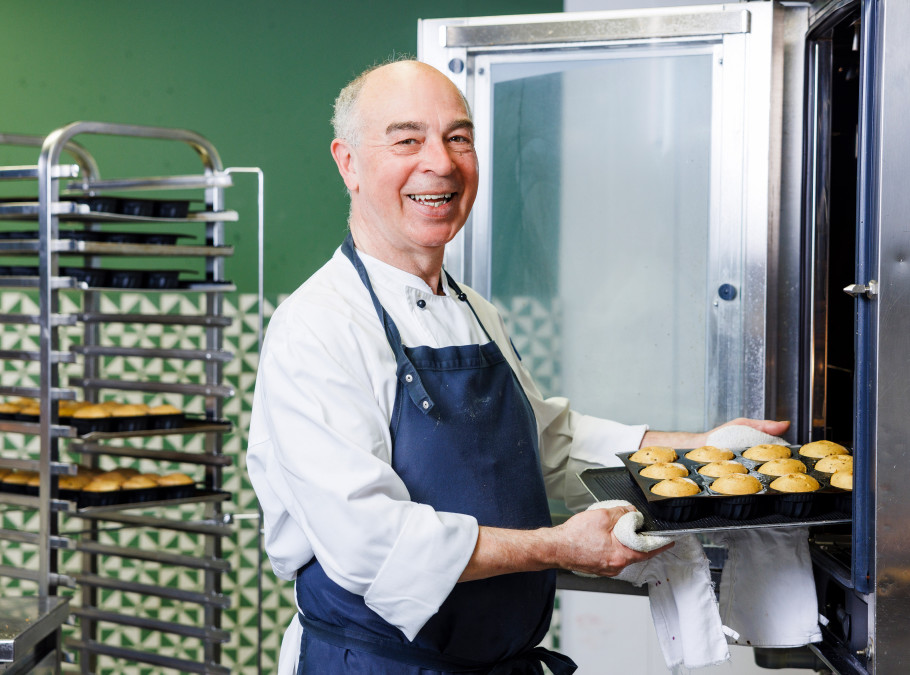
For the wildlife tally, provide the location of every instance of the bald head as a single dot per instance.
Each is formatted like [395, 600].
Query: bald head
[347, 119]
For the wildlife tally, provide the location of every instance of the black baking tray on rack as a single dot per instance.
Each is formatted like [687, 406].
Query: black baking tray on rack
[121, 497]
[158, 425]
[618, 483]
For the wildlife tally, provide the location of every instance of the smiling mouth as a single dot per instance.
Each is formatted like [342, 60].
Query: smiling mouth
[432, 200]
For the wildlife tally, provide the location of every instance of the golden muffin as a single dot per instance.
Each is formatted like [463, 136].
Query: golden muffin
[795, 482]
[781, 467]
[736, 484]
[8, 409]
[708, 453]
[676, 487]
[652, 454]
[110, 406]
[92, 412]
[32, 410]
[765, 452]
[834, 463]
[664, 470]
[822, 449]
[102, 485]
[116, 476]
[76, 482]
[19, 477]
[150, 476]
[842, 479]
[172, 479]
[724, 468]
[164, 409]
[131, 410]
[138, 483]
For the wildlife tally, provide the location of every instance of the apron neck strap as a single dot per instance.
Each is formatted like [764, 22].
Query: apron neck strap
[405, 371]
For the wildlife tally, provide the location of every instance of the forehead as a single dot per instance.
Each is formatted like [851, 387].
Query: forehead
[409, 94]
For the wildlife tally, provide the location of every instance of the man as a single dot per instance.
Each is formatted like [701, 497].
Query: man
[398, 447]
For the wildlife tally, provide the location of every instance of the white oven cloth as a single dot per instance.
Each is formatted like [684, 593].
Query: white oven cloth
[767, 589]
[681, 594]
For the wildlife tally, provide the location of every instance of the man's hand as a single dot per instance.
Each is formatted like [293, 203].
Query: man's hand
[584, 543]
[685, 439]
[590, 546]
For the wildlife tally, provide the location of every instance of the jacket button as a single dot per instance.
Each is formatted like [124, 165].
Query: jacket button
[462, 297]
[421, 303]
[409, 378]
[425, 404]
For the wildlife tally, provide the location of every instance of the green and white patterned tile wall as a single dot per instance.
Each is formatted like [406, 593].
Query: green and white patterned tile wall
[246, 651]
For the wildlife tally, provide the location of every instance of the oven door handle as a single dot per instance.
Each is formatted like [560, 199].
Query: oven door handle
[870, 290]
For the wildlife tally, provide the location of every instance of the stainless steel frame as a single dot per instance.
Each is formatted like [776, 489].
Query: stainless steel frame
[52, 176]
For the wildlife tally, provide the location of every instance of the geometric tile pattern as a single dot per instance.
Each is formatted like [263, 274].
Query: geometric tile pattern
[256, 595]
[535, 331]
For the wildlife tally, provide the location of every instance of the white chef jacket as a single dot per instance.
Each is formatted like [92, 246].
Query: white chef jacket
[319, 453]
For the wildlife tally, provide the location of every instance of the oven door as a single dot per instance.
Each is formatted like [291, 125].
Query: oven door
[629, 213]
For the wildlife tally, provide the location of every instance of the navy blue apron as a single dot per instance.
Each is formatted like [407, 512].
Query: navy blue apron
[464, 440]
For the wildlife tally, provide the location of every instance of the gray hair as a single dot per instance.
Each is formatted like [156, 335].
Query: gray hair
[346, 121]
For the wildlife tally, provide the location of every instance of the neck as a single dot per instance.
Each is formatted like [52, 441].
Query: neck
[422, 262]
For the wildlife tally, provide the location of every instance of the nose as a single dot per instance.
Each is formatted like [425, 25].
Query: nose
[436, 157]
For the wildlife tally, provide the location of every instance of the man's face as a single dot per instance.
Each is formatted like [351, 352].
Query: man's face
[413, 177]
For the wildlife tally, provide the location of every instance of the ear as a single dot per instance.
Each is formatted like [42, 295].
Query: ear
[343, 154]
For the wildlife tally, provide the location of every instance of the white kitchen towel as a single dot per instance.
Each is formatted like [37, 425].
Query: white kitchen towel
[680, 591]
[767, 589]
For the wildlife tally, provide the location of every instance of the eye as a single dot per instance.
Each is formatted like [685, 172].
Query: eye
[407, 141]
[460, 139]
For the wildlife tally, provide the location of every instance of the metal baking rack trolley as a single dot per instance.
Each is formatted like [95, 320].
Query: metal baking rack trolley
[68, 240]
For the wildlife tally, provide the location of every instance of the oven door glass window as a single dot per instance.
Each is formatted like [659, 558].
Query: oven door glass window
[622, 222]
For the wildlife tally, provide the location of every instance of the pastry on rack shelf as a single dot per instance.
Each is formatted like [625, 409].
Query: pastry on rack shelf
[102, 485]
[174, 479]
[138, 483]
[18, 477]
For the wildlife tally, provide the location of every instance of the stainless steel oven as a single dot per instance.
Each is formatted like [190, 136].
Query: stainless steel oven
[694, 213]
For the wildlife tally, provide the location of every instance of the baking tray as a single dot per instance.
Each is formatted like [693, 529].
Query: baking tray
[617, 483]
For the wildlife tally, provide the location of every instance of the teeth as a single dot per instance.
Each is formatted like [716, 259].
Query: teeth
[432, 200]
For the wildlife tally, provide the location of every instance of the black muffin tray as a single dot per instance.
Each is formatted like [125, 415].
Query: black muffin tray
[84, 499]
[737, 507]
[105, 236]
[708, 511]
[126, 279]
[99, 428]
[126, 206]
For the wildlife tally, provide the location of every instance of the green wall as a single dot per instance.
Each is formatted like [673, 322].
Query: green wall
[255, 77]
